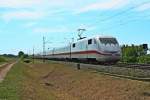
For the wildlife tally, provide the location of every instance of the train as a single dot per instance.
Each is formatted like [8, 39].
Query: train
[98, 48]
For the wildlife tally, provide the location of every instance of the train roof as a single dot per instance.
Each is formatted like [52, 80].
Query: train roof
[95, 37]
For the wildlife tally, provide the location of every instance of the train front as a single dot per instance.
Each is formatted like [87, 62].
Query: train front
[109, 49]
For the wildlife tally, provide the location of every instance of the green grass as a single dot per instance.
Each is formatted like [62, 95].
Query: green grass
[6, 59]
[2, 59]
[26, 81]
[21, 83]
[10, 87]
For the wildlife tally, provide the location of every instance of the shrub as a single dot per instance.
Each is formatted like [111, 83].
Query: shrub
[131, 59]
[2, 59]
[27, 60]
[144, 59]
[133, 54]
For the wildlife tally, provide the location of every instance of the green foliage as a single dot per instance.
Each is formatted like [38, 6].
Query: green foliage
[26, 56]
[129, 59]
[132, 54]
[9, 55]
[21, 54]
[10, 88]
[2, 59]
[144, 59]
[27, 60]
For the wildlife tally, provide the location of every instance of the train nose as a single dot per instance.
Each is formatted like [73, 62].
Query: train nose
[114, 57]
[110, 56]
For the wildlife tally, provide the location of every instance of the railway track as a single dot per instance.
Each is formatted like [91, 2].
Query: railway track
[125, 65]
[122, 65]
[134, 66]
[139, 72]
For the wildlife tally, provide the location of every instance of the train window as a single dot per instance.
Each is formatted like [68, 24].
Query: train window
[90, 41]
[108, 40]
[74, 45]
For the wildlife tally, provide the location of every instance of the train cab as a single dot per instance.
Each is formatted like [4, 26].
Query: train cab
[109, 49]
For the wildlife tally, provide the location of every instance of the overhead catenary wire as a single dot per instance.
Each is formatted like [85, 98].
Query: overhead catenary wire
[123, 12]
[121, 21]
[124, 22]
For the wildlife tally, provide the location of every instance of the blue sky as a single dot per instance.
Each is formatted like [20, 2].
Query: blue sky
[24, 22]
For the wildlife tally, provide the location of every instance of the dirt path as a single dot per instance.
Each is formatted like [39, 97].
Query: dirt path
[4, 70]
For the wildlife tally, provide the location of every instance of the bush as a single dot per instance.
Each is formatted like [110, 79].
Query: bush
[27, 60]
[133, 54]
[2, 59]
[144, 59]
[131, 59]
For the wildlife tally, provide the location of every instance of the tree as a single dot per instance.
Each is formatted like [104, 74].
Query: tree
[21, 54]
[132, 53]
[26, 56]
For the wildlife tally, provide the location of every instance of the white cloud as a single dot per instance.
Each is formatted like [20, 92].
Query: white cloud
[32, 9]
[25, 15]
[87, 27]
[19, 3]
[60, 29]
[32, 3]
[30, 24]
[37, 9]
[32, 15]
[144, 7]
[105, 5]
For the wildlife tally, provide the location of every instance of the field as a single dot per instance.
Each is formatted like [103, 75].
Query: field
[60, 81]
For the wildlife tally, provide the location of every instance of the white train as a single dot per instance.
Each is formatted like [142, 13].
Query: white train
[99, 48]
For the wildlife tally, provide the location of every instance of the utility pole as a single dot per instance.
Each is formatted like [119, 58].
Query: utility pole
[70, 49]
[33, 55]
[43, 49]
[72, 40]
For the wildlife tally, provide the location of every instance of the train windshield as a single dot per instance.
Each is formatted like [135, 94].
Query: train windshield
[108, 40]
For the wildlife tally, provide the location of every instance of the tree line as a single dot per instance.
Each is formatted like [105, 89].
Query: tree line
[135, 54]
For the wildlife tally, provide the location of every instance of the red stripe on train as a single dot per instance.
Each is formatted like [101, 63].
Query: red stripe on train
[85, 52]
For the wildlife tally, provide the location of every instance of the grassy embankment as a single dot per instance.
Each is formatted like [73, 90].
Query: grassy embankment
[130, 73]
[10, 87]
[7, 59]
[54, 81]
[2, 60]
[60, 81]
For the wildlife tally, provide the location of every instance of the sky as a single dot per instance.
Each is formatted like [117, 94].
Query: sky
[23, 23]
